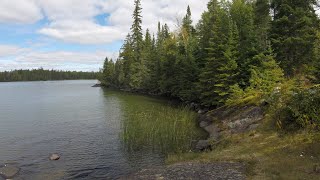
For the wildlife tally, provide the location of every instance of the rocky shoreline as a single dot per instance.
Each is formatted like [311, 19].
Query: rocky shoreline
[217, 123]
[227, 120]
[193, 171]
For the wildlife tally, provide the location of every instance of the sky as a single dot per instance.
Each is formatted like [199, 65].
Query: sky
[77, 34]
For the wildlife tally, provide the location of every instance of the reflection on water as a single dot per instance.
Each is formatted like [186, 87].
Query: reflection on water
[81, 123]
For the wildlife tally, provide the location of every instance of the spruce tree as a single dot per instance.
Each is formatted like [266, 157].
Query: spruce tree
[293, 33]
[242, 13]
[127, 56]
[262, 22]
[108, 73]
[205, 32]
[186, 67]
[220, 70]
[137, 67]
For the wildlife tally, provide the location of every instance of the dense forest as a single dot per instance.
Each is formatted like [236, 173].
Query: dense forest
[241, 51]
[44, 75]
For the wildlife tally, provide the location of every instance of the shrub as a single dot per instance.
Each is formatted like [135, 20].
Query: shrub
[301, 110]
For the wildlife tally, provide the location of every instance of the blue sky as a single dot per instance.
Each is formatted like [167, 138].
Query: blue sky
[76, 34]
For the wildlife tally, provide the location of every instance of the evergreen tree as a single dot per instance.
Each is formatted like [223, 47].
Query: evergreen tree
[186, 67]
[242, 13]
[127, 57]
[204, 27]
[293, 33]
[108, 73]
[262, 23]
[119, 74]
[220, 70]
[267, 75]
[137, 67]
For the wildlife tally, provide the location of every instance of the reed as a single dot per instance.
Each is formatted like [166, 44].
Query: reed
[152, 124]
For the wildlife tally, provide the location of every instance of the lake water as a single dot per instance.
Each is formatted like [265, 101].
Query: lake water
[81, 123]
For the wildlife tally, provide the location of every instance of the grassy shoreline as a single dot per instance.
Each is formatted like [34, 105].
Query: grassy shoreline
[267, 154]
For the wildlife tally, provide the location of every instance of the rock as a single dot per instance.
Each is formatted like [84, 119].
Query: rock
[214, 132]
[247, 120]
[9, 171]
[203, 145]
[204, 124]
[54, 157]
[96, 85]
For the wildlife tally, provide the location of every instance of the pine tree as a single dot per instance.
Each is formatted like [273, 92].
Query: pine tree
[186, 67]
[220, 70]
[119, 74]
[136, 29]
[262, 23]
[204, 28]
[147, 59]
[267, 75]
[242, 13]
[108, 73]
[293, 33]
[168, 59]
[126, 55]
[138, 68]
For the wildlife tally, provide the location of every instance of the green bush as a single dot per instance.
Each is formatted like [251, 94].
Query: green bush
[302, 110]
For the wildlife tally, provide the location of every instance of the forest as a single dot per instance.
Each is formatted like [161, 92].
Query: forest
[44, 75]
[240, 52]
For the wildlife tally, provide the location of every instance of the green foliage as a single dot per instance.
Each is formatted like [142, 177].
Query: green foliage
[108, 73]
[263, 82]
[242, 13]
[293, 33]
[45, 75]
[221, 68]
[232, 56]
[302, 110]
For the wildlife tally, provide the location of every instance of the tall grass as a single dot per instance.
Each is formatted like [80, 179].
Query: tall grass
[153, 124]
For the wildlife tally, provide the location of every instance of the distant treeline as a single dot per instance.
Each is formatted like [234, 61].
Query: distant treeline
[44, 75]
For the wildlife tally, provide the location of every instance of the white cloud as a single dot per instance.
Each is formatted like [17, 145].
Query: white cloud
[19, 11]
[82, 32]
[10, 50]
[12, 57]
[74, 21]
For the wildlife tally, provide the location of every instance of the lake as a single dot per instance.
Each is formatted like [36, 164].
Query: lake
[98, 133]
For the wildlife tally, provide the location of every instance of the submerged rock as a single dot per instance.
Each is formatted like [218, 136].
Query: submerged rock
[54, 157]
[9, 171]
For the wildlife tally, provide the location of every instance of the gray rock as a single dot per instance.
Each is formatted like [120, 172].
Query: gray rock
[54, 157]
[9, 171]
[204, 124]
[214, 132]
[203, 145]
